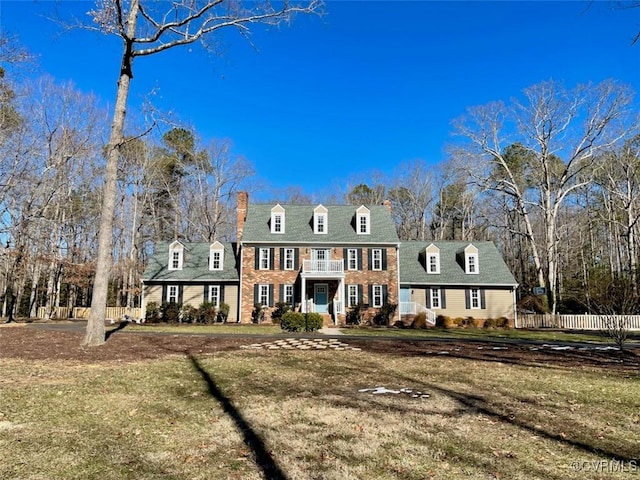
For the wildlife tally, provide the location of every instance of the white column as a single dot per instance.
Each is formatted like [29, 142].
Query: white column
[303, 298]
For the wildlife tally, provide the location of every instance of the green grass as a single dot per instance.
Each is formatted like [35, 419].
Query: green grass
[302, 413]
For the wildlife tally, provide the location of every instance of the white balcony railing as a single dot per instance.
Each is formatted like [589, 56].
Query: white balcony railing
[323, 266]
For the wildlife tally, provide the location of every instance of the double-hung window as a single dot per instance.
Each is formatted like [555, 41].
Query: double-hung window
[353, 297]
[352, 259]
[172, 294]
[377, 296]
[287, 294]
[263, 295]
[214, 295]
[289, 258]
[474, 298]
[433, 263]
[472, 263]
[376, 259]
[435, 298]
[264, 259]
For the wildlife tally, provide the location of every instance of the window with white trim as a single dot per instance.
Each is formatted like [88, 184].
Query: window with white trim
[288, 294]
[321, 223]
[435, 298]
[277, 223]
[352, 259]
[376, 259]
[472, 263]
[474, 298]
[433, 263]
[376, 296]
[175, 261]
[352, 296]
[172, 294]
[214, 295]
[263, 295]
[265, 259]
[363, 224]
[289, 258]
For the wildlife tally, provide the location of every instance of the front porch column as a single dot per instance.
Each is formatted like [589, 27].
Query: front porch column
[303, 298]
[341, 296]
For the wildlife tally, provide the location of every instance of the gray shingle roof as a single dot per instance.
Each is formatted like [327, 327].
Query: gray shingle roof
[491, 267]
[195, 265]
[299, 225]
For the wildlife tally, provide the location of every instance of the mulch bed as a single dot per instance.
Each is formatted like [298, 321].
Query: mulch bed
[30, 343]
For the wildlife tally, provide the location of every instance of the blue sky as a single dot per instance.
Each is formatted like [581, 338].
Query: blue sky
[369, 86]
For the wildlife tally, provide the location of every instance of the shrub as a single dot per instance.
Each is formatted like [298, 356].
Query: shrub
[420, 321]
[458, 321]
[355, 315]
[207, 313]
[152, 314]
[470, 322]
[490, 323]
[223, 312]
[503, 322]
[292, 322]
[442, 321]
[313, 322]
[281, 309]
[385, 313]
[257, 315]
[170, 312]
[188, 314]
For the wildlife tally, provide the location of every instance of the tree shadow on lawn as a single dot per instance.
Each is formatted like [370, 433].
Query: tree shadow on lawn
[251, 438]
[479, 404]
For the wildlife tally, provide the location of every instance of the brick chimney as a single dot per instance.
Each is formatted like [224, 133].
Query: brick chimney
[387, 203]
[243, 204]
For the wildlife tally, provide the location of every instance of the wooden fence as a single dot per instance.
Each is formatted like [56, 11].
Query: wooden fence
[115, 313]
[577, 322]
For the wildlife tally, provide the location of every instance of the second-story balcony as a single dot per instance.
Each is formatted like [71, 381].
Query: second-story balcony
[323, 267]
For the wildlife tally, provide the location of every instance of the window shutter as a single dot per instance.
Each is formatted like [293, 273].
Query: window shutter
[482, 301]
[384, 258]
[370, 295]
[296, 259]
[281, 258]
[467, 298]
[359, 258]
[256, 292]
[360, 296]
[222, 294]
[179, 294]
[443, 299]
[345, 255]
[271, 258]
[205, 293]
[270, 295]
[257, 259]
[164, 294]
[370, 258]
[428, 302]
[281, 293]
[384, 294]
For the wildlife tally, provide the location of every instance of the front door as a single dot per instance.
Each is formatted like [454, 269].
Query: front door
[321, 297]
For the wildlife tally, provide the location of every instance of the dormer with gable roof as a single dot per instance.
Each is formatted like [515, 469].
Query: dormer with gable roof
[216, 256]
[432, 259]
[468, 259]
[278, 219]
[363, 221]
[320, 220]
[176, 256]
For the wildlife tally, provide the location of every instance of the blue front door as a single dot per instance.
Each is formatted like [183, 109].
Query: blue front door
[321, 297]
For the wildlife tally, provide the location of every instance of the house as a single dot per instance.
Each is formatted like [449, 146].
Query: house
[330, 259]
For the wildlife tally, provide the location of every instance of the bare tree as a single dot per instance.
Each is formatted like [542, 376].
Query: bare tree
[411, 198]
[558, 133]
[145, 29]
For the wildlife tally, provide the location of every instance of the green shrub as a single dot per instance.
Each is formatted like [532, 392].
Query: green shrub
[188, 314]
[292, 322]
[420, 321]
[152, 314]
[458, 322]
[207, 313]
[281, 309]
[257, 314]
[223, 312]
[170, 312]
[313, 322]
[355, 315]
[490, 323]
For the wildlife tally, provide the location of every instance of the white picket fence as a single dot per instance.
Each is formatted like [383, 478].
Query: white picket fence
[576, 322]
[114, 313]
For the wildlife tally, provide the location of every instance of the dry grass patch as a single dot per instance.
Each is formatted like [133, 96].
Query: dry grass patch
[299, 415]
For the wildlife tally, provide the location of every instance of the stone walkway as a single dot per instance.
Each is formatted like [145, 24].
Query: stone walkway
[302, 344]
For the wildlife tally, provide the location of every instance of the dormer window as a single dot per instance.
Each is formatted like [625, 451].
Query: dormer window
[277, 219]
[432, 254]
[471, 264]
[176, 254]
[320, 217]
[363, 221]
[216, 256]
